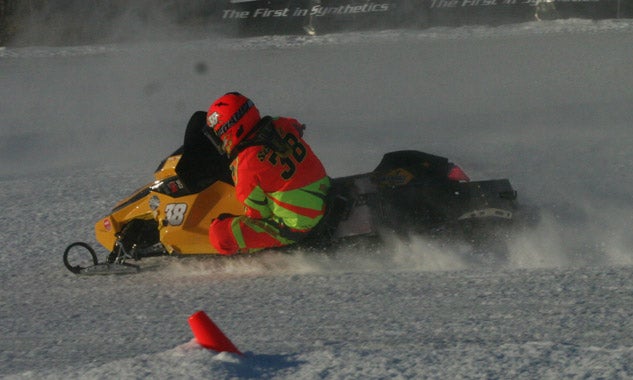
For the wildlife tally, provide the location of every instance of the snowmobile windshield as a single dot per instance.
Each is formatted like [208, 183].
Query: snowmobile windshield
[202, 162]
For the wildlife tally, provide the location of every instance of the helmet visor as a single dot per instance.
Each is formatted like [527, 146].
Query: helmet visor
[215, 140]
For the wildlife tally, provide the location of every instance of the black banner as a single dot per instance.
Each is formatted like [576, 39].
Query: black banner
[80, 21]
[312, 16]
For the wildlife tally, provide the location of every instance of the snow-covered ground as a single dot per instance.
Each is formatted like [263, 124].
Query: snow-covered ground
[547, 105]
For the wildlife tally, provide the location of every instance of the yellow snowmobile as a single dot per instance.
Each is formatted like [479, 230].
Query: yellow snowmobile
[408, 191]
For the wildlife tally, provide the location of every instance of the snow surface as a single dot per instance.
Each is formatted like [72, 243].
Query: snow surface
[547, 105]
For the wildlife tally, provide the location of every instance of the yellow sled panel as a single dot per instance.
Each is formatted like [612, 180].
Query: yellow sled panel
[183, 221]
[192, 235]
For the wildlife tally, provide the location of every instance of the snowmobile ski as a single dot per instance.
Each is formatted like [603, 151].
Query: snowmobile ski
[109, 268]
[95, 267]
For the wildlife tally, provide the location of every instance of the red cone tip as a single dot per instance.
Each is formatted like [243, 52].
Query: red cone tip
[209, 335]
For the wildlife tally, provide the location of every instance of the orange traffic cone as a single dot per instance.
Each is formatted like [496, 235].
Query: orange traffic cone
[209, 335]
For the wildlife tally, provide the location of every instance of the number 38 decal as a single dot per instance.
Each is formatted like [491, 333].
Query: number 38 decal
[296, 155]
[175, 213]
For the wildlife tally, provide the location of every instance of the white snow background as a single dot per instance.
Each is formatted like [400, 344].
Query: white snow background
[548, 105]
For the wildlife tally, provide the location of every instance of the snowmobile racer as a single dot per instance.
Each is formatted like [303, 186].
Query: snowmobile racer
[278, 178]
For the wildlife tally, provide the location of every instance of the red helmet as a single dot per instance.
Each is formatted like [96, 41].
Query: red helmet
[231, 117]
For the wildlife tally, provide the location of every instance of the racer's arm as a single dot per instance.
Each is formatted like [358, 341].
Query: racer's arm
[256, 203]
[249, 192]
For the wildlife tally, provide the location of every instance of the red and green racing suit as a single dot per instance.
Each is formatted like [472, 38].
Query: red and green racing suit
[284, 195]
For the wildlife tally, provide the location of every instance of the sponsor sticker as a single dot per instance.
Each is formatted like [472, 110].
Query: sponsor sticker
[212, 120]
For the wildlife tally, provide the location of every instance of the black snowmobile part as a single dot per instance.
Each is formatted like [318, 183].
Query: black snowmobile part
[139, 238]
[409, 191]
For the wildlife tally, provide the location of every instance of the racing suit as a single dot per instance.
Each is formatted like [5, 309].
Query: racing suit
[284, 195]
